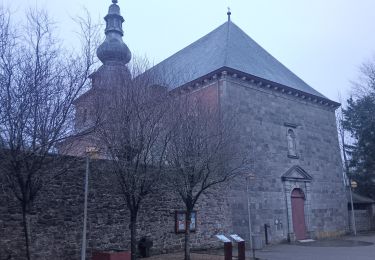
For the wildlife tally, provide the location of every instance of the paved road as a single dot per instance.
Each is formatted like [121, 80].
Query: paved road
[324, 251]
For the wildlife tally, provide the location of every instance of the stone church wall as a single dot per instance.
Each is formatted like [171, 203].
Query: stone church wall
[56, 221]
[265, 116]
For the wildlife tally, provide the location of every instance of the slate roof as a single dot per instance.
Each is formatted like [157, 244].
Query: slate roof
[229, 47]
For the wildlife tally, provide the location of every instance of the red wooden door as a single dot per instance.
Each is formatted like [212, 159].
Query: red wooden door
[298, 214]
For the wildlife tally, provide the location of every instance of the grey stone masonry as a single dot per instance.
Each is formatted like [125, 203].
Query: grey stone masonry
[56, 221]
[264, 118]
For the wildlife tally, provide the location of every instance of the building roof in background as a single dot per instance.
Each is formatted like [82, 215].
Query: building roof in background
[359, 199]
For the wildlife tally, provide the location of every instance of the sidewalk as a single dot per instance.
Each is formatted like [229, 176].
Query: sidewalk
[347, 248]
[361, 247]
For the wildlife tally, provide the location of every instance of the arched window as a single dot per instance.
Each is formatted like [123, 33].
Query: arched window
[292, 149]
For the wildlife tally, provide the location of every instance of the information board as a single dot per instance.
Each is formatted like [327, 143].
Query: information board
[223, 238]
[236, 238]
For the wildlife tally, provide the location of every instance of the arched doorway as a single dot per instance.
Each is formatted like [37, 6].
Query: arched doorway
[298, 214]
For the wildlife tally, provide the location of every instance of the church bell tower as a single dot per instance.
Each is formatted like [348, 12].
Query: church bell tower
[113, 73]
[113, 51]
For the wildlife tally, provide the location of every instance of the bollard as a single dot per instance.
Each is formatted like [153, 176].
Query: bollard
[266, 227]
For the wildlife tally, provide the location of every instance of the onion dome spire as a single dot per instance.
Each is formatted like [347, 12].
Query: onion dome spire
[113, 50]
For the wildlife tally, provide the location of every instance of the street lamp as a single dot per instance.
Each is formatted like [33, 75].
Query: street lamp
[250, 176]
[352, 185]
[90, 152]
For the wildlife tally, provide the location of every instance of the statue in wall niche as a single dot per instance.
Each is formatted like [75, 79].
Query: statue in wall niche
[292, 150]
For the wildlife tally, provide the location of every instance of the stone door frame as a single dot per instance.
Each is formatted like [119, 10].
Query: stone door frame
[297, 178]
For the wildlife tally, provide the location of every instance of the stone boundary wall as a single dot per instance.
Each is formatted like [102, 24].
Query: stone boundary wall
[56, 221]
[363, 220]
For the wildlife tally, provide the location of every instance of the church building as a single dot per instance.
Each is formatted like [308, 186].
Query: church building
[294, 190]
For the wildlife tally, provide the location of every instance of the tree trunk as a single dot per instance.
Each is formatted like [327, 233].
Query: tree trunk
[133, 235]
[187, 235]
[26, 232]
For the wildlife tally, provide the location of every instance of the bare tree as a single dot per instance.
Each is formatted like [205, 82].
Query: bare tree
[135, 138]
[365, 84]
[39, 80]
[7, 42]
[343, 139]
[201, 153]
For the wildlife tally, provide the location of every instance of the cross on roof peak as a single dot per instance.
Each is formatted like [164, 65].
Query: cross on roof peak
[229, 13]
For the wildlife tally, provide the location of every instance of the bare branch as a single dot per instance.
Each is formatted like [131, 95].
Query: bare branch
[39, 82]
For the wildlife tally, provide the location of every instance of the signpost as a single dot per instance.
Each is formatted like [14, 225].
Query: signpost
[250, 176]
[90, 152]
[352, 185]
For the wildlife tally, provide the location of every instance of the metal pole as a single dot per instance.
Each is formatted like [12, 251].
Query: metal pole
[352, 207]
[249, 215]
[83, 250]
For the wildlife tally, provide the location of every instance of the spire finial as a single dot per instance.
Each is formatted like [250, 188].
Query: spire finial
[113, 49]
[229, 13]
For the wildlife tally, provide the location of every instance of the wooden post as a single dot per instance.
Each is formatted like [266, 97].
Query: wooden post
[228, 250]
[241, 250]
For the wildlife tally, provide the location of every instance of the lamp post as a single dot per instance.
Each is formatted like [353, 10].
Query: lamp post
[90, 152]
[352, 185]
[249, 177]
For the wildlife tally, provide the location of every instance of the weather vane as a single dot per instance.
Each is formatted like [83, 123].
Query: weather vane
[229, 13]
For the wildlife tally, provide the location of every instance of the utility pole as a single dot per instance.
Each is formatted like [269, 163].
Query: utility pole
[352, 185]
[90, 151]
[249, 177]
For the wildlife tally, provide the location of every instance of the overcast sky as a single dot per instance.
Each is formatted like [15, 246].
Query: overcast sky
[322, 41]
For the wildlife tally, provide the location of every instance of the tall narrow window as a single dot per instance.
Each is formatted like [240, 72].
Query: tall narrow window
[292, 149]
